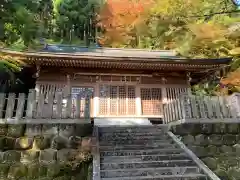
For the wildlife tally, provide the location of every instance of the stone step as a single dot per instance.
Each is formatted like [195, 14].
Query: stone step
[146, 164]
[141, 152]
[143, 158]
[111, 137]
[134, 142]
[194, 176]
[138, 147]
[131, 129]
[150, 172]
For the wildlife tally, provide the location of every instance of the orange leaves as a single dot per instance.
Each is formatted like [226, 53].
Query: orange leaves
[233, 78]
[119, 18]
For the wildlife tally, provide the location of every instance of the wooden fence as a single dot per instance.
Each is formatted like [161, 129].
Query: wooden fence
[18, 107]
[203, 108]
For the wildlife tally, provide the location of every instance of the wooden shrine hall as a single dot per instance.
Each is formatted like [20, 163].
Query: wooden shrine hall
[121, 82]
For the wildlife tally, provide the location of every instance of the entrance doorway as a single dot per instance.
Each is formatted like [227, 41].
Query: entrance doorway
[117, 100]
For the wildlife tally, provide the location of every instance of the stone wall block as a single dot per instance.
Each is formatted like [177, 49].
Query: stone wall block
[199, 151]
[229, 139]
[11, 156]
[232, 129]
[47, 156]
[83, 130]
[86, 144]
[222, 174]
[212, 150]
[33, 130]
[16, 130]
[9, 143]
[219, 128]
[1, 156]
[74, 142]
[234, 173]
[64, 155]
[50, 129]
[29, 156]
[33, 171]
[201, 140]
[4, 168]
[215, 139]
[17, 171]
[41, 142]
[188, 139]
[236, 148]
[194, 129]
[23, 143]
[210, 162]
[3, 129]
[67, 130]
[206, 128]
[53, 169]
[43, 170]
[226, 149]
[2, 143]
[59, 142]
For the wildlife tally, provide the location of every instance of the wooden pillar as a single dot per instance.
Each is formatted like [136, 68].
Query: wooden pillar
[37, 87]
[189, 91]
[138, 101]
[96, 101]
[164, 91]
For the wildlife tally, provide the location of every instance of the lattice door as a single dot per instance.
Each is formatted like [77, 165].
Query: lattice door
[117, 100]
[151, 101]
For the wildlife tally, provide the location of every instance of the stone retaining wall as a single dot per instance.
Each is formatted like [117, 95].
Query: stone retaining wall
[45, 151]
[218, 145]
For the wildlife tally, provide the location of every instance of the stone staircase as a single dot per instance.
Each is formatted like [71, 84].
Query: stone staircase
[143, 153]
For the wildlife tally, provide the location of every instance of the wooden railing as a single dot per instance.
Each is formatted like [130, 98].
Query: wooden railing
[190, 107]
[42, 106]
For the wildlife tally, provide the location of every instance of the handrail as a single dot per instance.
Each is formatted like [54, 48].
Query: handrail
[199, 163]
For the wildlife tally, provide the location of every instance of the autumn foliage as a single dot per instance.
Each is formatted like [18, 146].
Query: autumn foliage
[233, 78]
[119, 18]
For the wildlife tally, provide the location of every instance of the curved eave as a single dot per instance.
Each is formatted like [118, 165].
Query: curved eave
[92, 60]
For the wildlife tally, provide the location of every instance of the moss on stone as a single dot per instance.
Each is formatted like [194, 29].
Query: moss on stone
[210, 162]
[212, 150]
[3, 129]
[219, 128]
[234, 173]
[232, 128]
[221, 173]
[12, 156]
[53, 170]
[16, 130]
[201, 140]
[17, 171]
[9, 143]
[41, 142]
[226, 149]
[188, 139]
[229, 139]
[33, 171]
[206, 128]
[4, 168]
